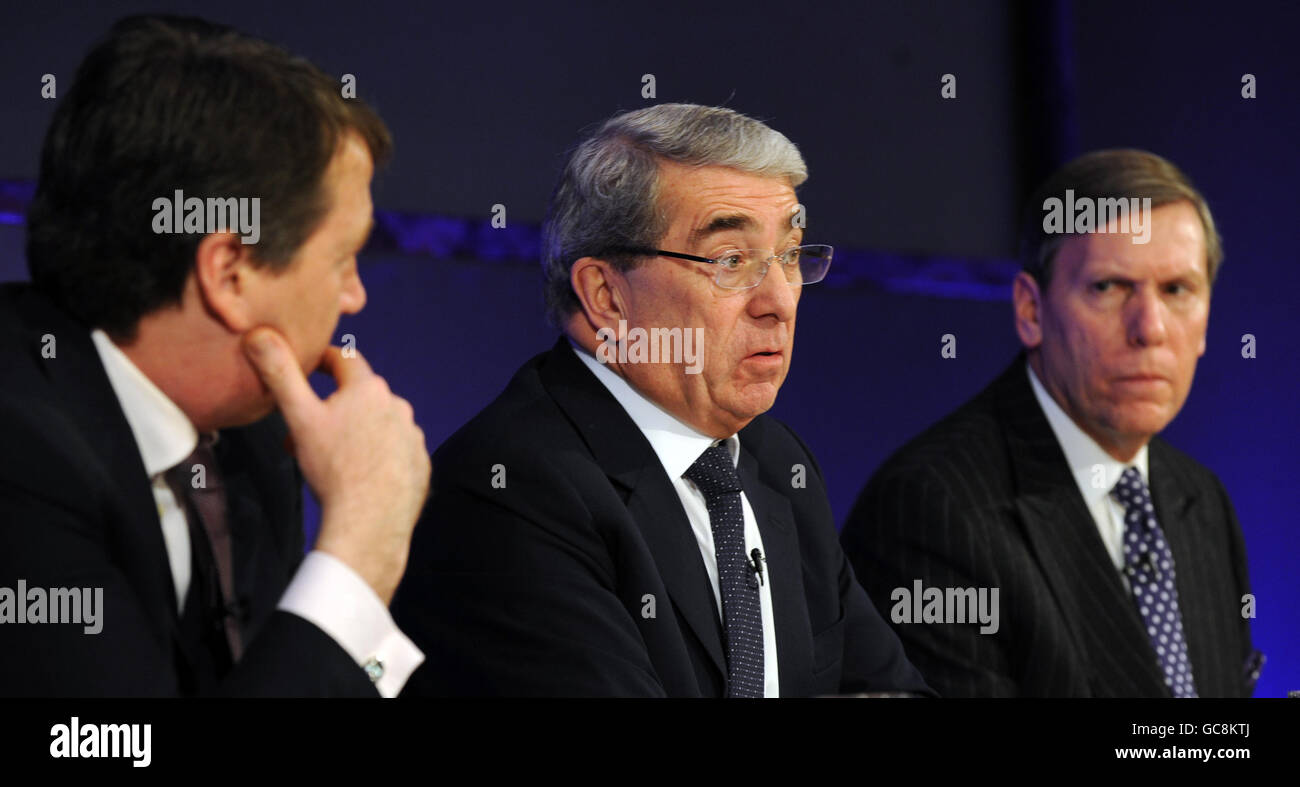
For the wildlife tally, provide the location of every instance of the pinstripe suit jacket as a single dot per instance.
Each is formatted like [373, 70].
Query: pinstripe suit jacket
[985, 498]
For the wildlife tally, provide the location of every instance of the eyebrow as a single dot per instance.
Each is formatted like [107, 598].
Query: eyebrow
[729, 223]
[721, 224]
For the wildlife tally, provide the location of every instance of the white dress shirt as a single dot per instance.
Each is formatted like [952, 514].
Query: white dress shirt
[678, 446]
[1095, 471]
[325, 591]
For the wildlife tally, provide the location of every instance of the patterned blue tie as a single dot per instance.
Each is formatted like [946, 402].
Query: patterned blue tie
[1149, 565]
[715, 476]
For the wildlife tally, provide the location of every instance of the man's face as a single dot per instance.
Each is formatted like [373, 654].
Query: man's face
[304, 302]
[748, 335]
[1122, 326]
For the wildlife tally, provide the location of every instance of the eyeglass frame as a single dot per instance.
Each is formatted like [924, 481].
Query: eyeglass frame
[642, 251]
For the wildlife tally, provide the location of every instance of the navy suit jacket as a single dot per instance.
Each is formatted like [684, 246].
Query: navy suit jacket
[77, 511]
[577, 572]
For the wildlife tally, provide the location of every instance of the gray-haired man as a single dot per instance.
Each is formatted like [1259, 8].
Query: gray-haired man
[623, 519]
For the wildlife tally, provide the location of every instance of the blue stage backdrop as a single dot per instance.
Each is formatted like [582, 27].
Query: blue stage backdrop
[484, 100]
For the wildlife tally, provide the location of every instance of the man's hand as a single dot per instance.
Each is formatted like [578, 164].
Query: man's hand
[360, 451]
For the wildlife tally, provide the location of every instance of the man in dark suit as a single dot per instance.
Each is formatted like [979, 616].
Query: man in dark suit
[1118, 559]
[150, 519]
[623, 520]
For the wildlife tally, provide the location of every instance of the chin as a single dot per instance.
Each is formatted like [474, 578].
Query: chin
[1142, 422]
[752, 404]
[313, 360]
[250, 414]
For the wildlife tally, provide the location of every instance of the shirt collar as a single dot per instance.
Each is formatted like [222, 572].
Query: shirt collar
[1082, 452]
[162, 431]
[676, 444]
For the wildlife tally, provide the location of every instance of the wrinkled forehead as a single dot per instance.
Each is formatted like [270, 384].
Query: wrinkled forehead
[1167, 242]
[698, 203]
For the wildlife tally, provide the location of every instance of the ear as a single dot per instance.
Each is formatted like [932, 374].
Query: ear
[223, 268]
[601, 290]
[1028, 300]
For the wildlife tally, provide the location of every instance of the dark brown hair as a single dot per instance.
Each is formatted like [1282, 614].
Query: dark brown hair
[166, 103]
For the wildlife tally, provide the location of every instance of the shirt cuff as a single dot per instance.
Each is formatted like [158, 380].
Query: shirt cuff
[328, 593]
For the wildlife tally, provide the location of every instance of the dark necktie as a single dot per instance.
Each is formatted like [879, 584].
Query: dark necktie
[1149, 565]
[203, 494]
[715, 476]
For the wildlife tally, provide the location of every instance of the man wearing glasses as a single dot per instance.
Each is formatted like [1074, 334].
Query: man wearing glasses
[614, 524]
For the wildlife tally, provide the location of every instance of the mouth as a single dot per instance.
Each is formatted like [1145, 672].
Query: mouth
[767, 360]
[1141, 381]
[1143, 378]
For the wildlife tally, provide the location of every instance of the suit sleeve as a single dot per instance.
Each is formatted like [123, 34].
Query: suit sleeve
[907, 527]
[43, 545]
[510, 591]
[874, 660]
[1251, 659]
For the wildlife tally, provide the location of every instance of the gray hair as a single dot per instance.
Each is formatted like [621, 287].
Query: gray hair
[608, 194]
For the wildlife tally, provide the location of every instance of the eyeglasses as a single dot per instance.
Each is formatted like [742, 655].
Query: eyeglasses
[745, 268]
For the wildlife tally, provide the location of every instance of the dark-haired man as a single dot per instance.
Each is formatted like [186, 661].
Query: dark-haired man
[150, 518]
[1118, 562]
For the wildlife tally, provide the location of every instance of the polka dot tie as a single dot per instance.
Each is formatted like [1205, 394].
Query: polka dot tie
[1149, 566]
[715, 476]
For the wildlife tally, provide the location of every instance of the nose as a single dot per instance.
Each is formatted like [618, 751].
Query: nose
[774, 295]
[1146, 318]
[353, 297]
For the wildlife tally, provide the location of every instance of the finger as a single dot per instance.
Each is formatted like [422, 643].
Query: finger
[345, 370]
[278, 367]
[404, 407]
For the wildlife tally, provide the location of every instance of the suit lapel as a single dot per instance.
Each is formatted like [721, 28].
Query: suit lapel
[784, 571]
[1094, 605]
[630, 463]
[78, 380]
[1187, 529]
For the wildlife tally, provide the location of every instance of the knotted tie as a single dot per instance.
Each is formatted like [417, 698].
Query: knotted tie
[204, 494]
[1149, 565]
[715, 476]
